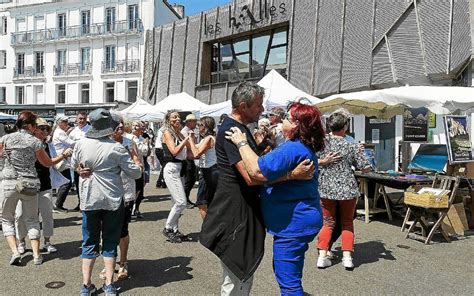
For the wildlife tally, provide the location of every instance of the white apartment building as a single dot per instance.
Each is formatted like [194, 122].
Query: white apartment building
[67, 53]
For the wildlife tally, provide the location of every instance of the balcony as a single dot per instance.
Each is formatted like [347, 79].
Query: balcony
[77, 32]
[75, 69]
[123, 66]
[28, 73]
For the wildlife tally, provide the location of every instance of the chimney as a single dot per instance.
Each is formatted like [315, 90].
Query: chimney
[179, 9]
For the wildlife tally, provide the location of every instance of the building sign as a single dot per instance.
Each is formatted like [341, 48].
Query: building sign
[243, 16]
[74, 112]
[415, 125]
[457, 139]
[47, 113]
[379, 120]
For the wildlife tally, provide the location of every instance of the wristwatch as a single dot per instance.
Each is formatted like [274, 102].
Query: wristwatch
[242, 144]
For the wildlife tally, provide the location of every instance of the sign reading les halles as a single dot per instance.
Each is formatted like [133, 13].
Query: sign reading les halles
[245, 17]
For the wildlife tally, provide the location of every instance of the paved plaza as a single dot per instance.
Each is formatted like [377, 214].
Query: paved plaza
[386, 262]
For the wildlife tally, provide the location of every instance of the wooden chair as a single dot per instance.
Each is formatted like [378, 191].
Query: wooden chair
[429, 218]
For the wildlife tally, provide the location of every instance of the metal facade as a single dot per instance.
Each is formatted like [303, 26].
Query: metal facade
[334, 45]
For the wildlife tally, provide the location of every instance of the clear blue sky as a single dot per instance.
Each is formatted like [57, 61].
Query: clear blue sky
[195, 6]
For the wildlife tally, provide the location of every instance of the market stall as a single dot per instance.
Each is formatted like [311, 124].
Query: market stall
[423, 115]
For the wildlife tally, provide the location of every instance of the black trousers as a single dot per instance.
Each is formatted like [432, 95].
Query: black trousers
[190, 177]
[159, 155]
[76, 183]
[139, 187]
[63, 191]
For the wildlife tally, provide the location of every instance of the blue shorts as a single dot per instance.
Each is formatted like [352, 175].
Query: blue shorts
[97, 223]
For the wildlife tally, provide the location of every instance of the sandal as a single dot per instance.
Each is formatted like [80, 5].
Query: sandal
[102, 274]
[123, 271]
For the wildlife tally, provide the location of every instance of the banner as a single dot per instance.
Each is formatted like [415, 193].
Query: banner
[415, 125]
[457, 139]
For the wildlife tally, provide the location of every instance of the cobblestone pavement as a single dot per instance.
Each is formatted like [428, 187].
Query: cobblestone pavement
[386, 263]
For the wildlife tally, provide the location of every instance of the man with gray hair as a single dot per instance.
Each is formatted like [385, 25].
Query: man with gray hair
[233, 228]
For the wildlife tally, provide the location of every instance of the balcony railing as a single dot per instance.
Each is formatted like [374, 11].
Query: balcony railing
[74, 69]
[123, 66]
[28, 72]
[74, 32]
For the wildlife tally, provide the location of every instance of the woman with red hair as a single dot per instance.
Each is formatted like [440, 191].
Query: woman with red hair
[291, 209]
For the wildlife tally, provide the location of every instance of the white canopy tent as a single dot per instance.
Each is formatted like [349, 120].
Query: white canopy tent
[180, 102]
[141, 110]
[216, 110]
[438, 99]
[279, 92]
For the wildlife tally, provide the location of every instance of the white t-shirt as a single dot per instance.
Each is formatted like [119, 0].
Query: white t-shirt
[209, 158]
[159, 140]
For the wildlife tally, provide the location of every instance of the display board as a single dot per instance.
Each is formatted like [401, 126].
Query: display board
[415, 125]
[458, 139]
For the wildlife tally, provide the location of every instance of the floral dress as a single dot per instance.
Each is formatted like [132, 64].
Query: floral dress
[337, 180]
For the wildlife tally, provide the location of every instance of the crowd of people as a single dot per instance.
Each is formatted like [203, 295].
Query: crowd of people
[289, 177]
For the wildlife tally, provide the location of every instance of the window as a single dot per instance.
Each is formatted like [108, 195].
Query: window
[20, 94]
[62, 24]
[61, 93]
[38, 94]
[3, 94]
[110, 19]
[85, 93]
[85, 22]
[20, 63]
[60, 61]
[39, 22]
[85, 59]
[4, 26]
[39, 62]
[3, 59]
[20, 24]
[132, 90]
[248, 57]
[109, 92]
[133, 17]
[110, 57]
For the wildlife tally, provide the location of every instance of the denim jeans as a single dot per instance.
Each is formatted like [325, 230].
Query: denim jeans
[288, 262]
[105, 224]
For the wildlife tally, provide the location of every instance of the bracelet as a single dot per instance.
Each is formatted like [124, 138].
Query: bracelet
[242, 143]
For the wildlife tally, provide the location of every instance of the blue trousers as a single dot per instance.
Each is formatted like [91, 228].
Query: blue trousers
[288, 262]
[105, 224]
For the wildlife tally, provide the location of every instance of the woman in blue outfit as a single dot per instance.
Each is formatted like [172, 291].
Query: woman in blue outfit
[291, 209]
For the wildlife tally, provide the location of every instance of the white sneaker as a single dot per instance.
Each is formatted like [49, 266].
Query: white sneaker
[21, 248]
[323, 262]
[50, 248]
[38, 260]
[347, 263]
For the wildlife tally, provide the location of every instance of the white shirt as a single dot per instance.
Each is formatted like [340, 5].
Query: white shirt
[159, 140]
[209, 158]
[79, 132]
[61, 142]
